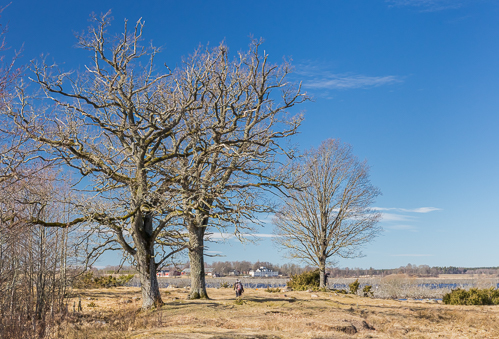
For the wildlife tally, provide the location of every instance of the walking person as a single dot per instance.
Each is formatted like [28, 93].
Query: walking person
[238, 286]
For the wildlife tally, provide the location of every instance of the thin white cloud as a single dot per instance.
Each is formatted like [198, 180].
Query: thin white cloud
[408, 210]
[394, 217]
[219, 236]
[318, 75]
[424, 210]
[226, 236]
[213, 252]
[427, 5]
[262, 235]
[401, 227]
[412, 255]
[341, 81]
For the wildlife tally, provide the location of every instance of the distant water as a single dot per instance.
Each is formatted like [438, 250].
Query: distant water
[165, 284]
[430, 286]
[419, 299]
[273, 284]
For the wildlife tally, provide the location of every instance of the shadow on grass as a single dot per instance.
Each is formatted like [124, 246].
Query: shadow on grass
[244, 336]
[264, 300]
[188, 303]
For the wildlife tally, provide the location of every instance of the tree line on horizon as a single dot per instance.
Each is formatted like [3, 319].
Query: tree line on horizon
[289, 269]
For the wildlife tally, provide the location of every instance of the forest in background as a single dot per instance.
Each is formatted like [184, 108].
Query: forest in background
[288, 269]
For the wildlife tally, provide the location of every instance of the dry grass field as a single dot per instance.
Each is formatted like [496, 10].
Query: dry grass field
[115, 313]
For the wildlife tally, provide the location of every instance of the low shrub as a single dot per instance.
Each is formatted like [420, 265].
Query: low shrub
[473, 296]
[87, 280]
[354, 287]
[239, 301]
[367, 291]
[306, 281]
[273, 290]
[225, 284]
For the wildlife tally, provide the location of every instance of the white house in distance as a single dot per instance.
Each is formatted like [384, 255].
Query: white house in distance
[263, 272]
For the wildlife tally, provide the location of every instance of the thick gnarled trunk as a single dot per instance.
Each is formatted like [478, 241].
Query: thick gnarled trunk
[150, 287]
[146, 265]
[196, 257]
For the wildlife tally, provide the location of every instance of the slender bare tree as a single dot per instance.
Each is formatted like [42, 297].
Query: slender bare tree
[115, 124]
[330, 215]
[33, 276]
[237, 137]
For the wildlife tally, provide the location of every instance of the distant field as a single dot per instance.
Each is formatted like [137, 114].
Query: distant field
[264, 315]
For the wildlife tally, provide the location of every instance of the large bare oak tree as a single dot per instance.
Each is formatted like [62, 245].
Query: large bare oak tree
[330, 215]
[114, 124]
[237, 137]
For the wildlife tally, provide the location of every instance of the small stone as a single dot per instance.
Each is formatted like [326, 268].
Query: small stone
[314, 296]
[309, 291]
[130, 329]
[366, 326]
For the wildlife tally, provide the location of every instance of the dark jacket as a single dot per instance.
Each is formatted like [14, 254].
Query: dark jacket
[242, 287]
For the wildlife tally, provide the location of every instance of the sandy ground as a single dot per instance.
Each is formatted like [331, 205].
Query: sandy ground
[115, 313]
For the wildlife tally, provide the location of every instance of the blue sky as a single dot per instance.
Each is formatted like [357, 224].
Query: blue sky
[412, 85]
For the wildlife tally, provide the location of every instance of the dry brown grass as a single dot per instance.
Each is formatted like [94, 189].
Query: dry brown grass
[273, 315]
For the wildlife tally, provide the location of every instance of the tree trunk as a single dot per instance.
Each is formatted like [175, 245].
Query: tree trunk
[146, 264]
[322, 271]
[150, 287]
[196, 257]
